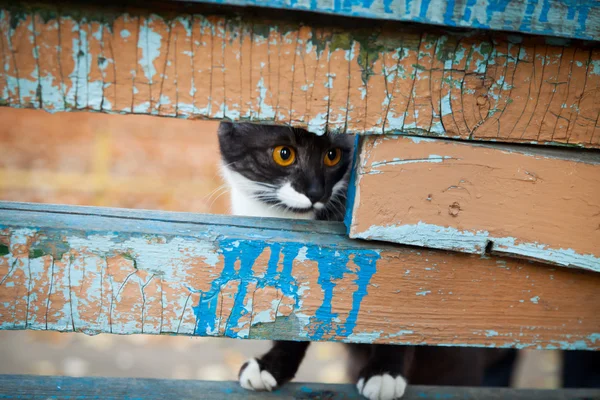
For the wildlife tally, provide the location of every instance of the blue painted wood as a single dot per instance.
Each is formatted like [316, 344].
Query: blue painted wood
[563, 18]
[52, 387]
[95, 270]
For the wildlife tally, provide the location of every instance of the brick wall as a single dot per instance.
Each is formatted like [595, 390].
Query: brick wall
[110, 160]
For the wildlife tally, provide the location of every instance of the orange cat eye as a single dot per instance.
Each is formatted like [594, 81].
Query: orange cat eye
[333, 157]
[284, 155]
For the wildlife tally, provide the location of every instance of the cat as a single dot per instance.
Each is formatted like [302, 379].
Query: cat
[285, 172]
[275, 171]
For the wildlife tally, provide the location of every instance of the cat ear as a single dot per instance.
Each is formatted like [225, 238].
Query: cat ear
[226, 128]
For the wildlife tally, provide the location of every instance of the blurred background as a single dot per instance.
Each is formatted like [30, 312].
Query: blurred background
[144, 162]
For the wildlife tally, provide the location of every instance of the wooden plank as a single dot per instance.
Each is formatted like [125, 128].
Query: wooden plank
[44, 387]
[513, 200]
[341, 75]
[553, 18]
[94, 270]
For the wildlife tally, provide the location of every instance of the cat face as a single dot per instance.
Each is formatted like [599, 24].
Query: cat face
[289, 169]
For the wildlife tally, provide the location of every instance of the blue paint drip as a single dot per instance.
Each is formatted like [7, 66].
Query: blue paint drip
[470, 5]
[367, 3]
[287, 283]
[494, 6]
[583, 16]
[571, 13]
[545, 10]
[367, 262]
[337, 5]
[206, 312]
[313, 4]
[423, 10]
[272, 264]
[332, 265]
[387, 6]
[449, 14]
[526, 22]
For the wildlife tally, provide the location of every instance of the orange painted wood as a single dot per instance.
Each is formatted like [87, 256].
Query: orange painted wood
[349, 77]
[92, 270]
[513, 200]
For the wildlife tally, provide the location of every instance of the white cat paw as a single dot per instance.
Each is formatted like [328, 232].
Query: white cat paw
[382, 387]
[252, 378]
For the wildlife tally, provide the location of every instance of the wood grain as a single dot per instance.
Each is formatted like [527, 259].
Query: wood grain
[45, 387]
[340, 76]
[94, 270]
[513, 200]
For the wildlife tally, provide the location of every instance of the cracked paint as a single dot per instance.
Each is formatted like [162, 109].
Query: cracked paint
[467, 86]
[72, 269]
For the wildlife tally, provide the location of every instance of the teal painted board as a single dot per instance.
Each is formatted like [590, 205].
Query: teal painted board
[93, 270]
[563, 18]
[28, 387]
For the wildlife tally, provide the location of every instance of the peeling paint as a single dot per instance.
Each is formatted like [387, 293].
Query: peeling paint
[155, 272]
[438, 237]
[472, 199]
[373, 83]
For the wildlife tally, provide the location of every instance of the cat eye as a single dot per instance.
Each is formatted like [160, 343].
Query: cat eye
[333, 157]
[284, 155]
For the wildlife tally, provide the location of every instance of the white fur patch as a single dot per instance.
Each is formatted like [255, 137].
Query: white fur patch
[382, 387]
[252, 378]
[319, 206]
[244, 202]
[291, 198]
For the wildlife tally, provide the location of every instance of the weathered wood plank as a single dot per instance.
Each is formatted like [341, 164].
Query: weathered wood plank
[96, 270]
[528, 202]
[553, 18]
[339, 75]
[44, 387]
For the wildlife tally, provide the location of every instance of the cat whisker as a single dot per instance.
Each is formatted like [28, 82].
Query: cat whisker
[216, 198]
[219, 189]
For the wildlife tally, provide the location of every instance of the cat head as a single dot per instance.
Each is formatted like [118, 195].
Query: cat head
[287, 169]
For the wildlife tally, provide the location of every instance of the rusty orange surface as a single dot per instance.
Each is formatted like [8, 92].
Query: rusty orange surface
[519, 201]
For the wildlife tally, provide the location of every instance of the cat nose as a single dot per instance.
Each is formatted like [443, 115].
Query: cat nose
[315, 193]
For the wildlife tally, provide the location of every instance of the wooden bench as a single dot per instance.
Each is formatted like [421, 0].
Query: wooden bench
[462, 229]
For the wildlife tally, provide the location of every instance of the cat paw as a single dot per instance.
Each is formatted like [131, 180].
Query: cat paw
[382, 387]
[253, 378]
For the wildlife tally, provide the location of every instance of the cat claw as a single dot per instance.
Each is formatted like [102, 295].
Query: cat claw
[382, 387]
[252, 378]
